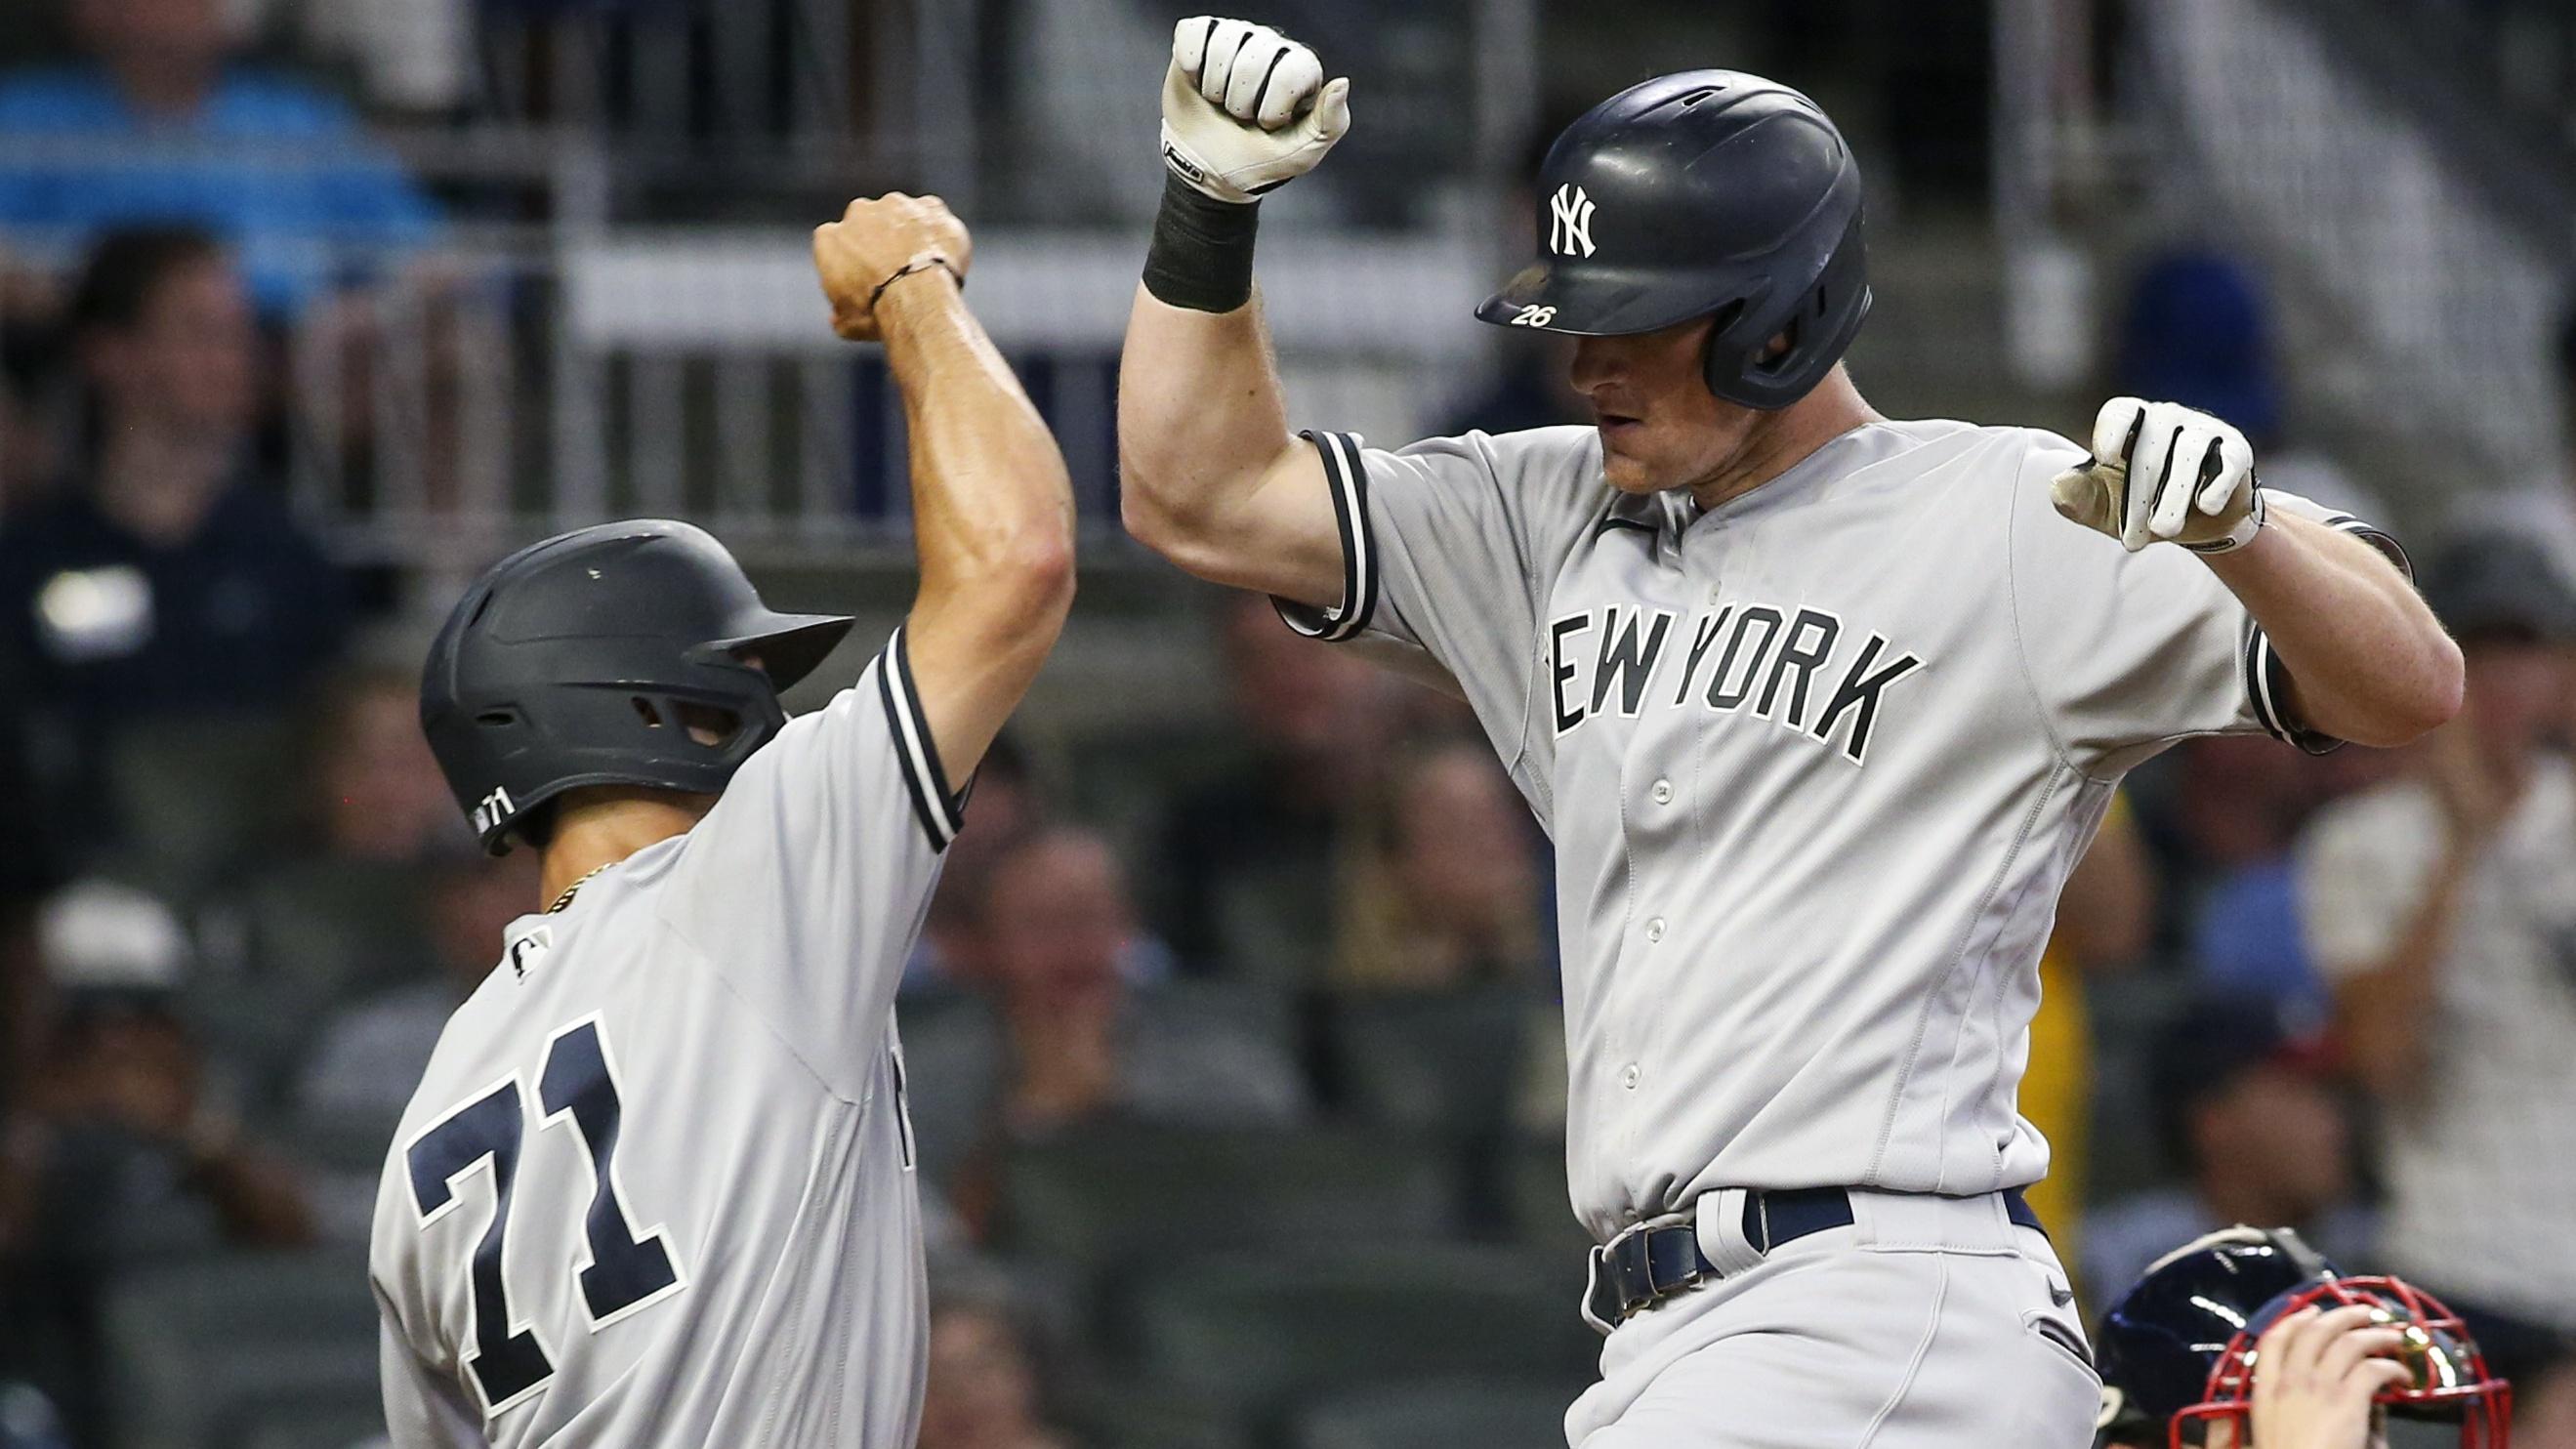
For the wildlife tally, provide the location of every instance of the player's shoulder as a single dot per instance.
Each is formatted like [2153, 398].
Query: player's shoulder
[1569, 453]
[1948, 445]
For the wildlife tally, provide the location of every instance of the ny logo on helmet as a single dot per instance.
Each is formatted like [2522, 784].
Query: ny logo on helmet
[1569, 221]
[491, 809]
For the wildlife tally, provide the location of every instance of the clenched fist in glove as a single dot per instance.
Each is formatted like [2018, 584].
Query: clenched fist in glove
[2162, 470]
[1246, 109]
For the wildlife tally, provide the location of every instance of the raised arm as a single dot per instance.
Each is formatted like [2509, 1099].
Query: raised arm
[1212, 478]
[991, 508]
[2366, 659]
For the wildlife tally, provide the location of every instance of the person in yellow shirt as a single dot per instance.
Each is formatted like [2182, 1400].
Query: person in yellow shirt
[2103, 922]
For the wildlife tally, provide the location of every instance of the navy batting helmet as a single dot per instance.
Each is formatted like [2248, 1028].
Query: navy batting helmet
[585, 659]
[2177, 1352]
[1710, 193]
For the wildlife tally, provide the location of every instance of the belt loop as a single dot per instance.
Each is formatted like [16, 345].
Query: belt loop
[1722, 1213]
[1601, 1314]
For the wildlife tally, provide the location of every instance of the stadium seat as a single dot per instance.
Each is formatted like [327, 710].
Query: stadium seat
[1440, 1414]
[1149, 1416]
[1447, 1062]
[199, 799]
[194, 1347]
[1094, 1195]
[1253, 1330]
[314, 1426]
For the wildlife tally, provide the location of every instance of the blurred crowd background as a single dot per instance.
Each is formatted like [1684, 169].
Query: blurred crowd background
[1234, 1043]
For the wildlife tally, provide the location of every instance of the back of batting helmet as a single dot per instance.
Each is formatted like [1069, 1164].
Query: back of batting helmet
[1710, 193]
[583, 660]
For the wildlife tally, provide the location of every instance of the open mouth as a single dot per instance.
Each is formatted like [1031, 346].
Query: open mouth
[1614, 424]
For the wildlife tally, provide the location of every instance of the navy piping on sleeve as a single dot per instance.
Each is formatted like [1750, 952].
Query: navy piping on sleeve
[2267, 679]
[1346, 478]
[942, 812]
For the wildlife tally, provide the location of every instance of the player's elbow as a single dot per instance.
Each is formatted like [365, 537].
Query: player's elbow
[1037, 576]
[1159, 516]
[2411, 703]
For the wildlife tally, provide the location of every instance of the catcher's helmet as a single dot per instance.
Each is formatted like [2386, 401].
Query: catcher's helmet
[583, 660]
[1710, 193]
[2177, 1351]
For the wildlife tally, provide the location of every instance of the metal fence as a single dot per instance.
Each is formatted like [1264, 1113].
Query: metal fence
[485, 395]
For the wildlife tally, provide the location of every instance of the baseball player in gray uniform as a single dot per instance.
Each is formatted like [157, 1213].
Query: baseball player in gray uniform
[1818, 707]
[656, 1186]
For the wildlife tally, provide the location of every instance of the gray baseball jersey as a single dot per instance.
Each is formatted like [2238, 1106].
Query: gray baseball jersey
[1815, 762]
[656, 1187]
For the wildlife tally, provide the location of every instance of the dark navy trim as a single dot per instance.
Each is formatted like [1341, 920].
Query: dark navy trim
[1346, 478]
[941, 811]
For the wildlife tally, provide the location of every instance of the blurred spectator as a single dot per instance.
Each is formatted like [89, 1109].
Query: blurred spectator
[2223, 824]
[1447, 893]
[2104, 917]
[1527, 386]
[2443, 908]
[2544, 510]
[1007, 806]
[1062, 1036]
[159, 126]
[169, 580]
[414, 56]
[2247, 1111]
[984, 1390]
[2199, 332]
[28, 1420]
[119, 1151]
[369, 1056]
[1247, 856]
[30, 443]
[351, 911]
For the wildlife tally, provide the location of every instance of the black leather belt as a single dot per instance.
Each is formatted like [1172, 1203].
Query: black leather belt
[1646, 1265]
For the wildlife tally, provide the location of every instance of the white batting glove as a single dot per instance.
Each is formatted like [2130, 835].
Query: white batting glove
[1246, 109]
[2160, 470]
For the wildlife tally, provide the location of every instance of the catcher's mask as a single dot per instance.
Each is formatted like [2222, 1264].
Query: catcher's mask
[2448, 1376]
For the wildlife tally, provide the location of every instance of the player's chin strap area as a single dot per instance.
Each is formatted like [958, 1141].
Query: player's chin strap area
[1660, 1258]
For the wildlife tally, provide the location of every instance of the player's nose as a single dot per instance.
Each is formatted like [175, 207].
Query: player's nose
[1597, 362]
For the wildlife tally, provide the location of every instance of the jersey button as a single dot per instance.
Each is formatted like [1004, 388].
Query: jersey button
[1663, 792]
[1655, 930]
[1628, 1078]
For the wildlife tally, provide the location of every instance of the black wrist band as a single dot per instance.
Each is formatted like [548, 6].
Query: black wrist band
[917, 264]
[1202, 252]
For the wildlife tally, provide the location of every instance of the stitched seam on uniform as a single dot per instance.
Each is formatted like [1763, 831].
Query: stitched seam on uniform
[1959, 954]
[1922, 1350]
[799, 1284]
[1991, 987]
[756, 1014]
[1539, 593]
[2021, 646]
[2075, 844]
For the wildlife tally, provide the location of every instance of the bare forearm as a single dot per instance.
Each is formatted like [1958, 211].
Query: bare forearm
[992, 522]
[2381, 1012]
[992, 509]
[2368, 661]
